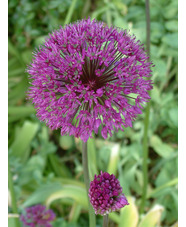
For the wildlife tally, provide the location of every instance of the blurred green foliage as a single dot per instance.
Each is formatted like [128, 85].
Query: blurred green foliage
[47, 167]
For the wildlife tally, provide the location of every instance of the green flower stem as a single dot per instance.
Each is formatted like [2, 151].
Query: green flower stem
[147, 26]
[146, 122]
[13, 197]
[70, 12]
[145, 158]
[105, 220]
[92, 218]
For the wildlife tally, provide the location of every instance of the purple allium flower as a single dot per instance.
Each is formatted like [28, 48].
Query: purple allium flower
[105, 194]
[87, 75]
[38, 216]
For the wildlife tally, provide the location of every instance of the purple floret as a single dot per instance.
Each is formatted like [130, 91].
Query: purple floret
[88, 76]
[105, 194]
[37, 216]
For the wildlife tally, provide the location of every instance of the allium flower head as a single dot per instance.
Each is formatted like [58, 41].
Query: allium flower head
[87, 75]
[37, 216]
[105, 194]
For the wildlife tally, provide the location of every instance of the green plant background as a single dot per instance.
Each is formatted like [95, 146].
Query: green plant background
[46, 167]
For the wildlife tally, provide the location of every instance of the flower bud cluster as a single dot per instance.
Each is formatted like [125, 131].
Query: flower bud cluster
[105, 194]
[38, 216]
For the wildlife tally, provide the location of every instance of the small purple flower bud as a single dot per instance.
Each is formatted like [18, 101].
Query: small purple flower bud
[110, 198]
[38, 216]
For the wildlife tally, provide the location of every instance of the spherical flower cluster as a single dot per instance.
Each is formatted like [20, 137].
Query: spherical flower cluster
[105, 194]
[37, 216]
[88, 76]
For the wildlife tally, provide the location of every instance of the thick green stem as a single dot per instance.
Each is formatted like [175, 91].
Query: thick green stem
[105, 220]
[146, 121]
[92, 218]
[13, 197]
[145, 158]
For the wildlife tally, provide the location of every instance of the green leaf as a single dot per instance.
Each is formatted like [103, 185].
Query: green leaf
[21, 110]
[46, 190]
[12, 222]
[129, 215]
[173, 114]
[128, 178]
[152, 218]
[103, 160]
[27, 56]
[163, 149]
[75, 212]
[172, 25]
[66, 142]
[42, 193]
[157, 31]
[121, 22]
[167, 172]
[70, 12]
[33, 170]
[67, 181]
[171, 10]
[158, 190]
[14, 52]
[16, 72]
[135, 12]
[114, 157]
[171, 39]
[167, 51]
[115, 217]
[78, 194]
[60, 169]
[139, 30]
[12, 62]
[155, 94]
[96, 13]
[40, 40]
[167, 99]
[121, 7]
[160, 68]
[17, 93]
[21, 144]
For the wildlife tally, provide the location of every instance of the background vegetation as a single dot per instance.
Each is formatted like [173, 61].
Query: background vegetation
[46, 167]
